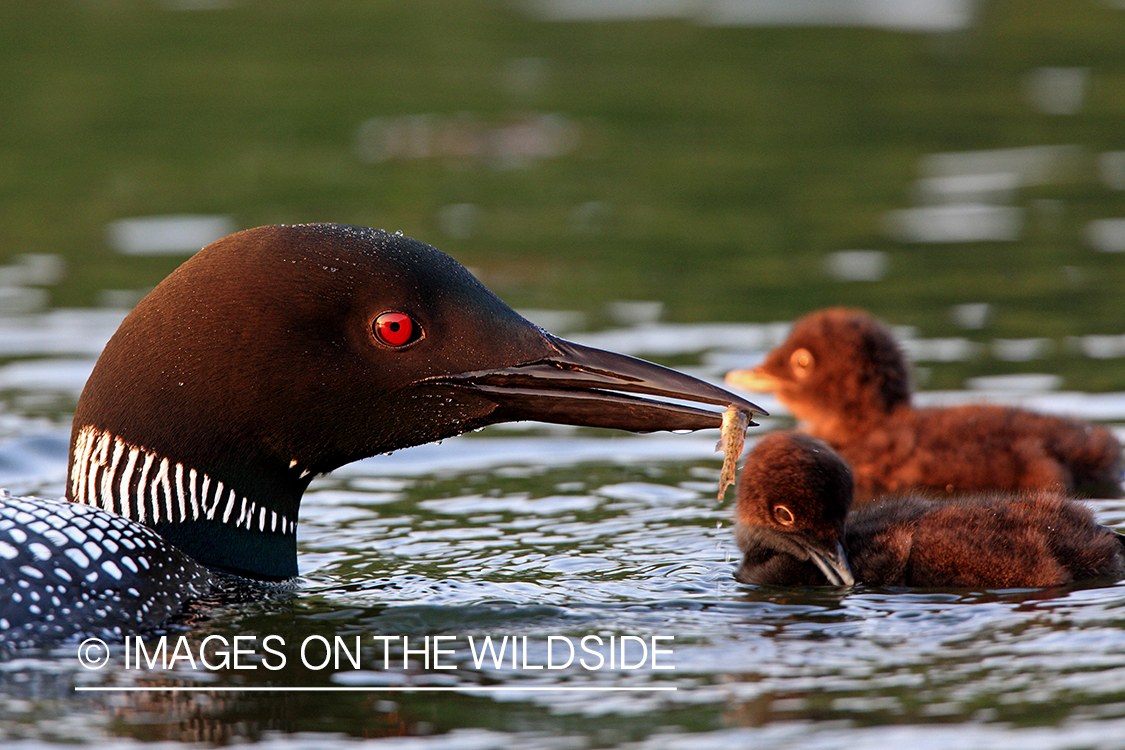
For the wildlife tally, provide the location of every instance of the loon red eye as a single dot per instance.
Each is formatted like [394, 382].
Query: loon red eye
[394, 328]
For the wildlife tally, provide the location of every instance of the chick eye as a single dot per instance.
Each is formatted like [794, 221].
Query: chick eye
[783, 515]
[801, 361]
[394, 329]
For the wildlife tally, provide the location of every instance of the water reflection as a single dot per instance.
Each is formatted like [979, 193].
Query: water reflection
[930, 16]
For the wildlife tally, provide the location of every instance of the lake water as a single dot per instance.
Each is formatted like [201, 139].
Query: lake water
[954, 165]
[604, 559]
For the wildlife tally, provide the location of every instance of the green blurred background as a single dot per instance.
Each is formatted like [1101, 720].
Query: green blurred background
[572, 162]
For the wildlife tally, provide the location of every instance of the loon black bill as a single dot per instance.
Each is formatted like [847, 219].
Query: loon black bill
[584, 386]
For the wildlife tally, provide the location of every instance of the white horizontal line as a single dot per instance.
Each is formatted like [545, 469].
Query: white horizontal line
[370, 688]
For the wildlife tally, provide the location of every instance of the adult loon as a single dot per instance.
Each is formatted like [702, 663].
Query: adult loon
[843, 375]
[269, 357]
[794, 528]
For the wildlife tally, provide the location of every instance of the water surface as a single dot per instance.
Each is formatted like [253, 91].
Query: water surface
[557, 538]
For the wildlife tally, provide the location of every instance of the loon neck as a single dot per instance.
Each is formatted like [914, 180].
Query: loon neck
[239, 525]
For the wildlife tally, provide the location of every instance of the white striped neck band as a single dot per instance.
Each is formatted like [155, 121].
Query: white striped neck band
[137, 483]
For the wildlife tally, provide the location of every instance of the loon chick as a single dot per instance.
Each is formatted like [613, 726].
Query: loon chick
[271, 356]
[794, 529]
[841, 373]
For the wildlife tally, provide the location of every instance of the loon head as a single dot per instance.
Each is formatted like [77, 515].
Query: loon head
[839, 365]
[793, 501]
[283, 352]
